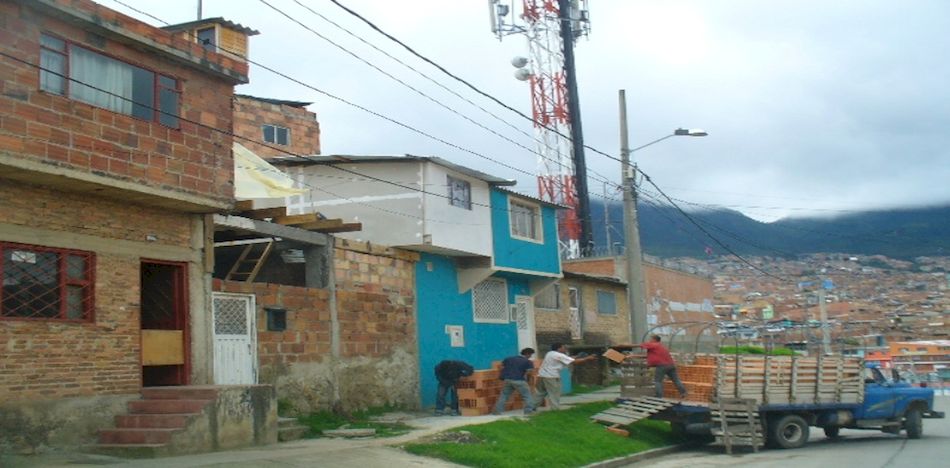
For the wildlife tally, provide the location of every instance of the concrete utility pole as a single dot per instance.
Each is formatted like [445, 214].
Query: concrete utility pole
[636, 290]
[823, 316]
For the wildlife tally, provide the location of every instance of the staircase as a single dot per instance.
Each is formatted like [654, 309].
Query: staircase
[148, 429]
[289, 429]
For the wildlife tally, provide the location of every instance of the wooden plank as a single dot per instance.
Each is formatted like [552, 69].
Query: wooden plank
[345, 227]
[321, 224]
[243, 205]
[163, 347]
[263, 213]
[293, 220]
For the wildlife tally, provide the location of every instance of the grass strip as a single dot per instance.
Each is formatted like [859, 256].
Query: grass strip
[550, 439]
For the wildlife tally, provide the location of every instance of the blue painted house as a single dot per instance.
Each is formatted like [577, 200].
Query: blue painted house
[485, 250]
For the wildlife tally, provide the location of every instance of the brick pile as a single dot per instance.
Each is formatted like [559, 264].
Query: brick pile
[699, 378]
[479, 392]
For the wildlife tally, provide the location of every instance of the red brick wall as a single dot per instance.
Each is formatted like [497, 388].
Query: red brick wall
[665, 285]
[250, 114]
[599, 267]
[375, 309]
[46, 359]
[56, 130]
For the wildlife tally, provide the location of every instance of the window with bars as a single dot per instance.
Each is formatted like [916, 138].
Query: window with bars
[46, 283]
[549, 298]
[490, 301]
[85, 75]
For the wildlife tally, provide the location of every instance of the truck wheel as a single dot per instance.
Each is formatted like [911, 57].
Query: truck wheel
[790, 431]
[831, 432]
[914, 423]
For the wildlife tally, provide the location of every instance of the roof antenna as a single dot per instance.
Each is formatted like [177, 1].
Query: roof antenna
[199, 10]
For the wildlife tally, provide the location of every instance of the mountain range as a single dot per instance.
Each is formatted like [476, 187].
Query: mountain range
[667, 232]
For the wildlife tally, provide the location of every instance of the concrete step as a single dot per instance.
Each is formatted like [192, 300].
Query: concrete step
[135, 436]
[288, 433]
[166, 406]
[146, 421]
[179, 393]
[130, 450]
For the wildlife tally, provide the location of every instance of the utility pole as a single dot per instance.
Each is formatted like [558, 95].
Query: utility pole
[610, 245]
[823, 316]
[636, 291]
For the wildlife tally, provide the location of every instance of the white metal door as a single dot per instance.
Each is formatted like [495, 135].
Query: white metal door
[235, 343]
[576, 309]
[524, 318]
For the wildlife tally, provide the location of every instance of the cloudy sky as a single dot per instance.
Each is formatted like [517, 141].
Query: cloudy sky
[812, 107]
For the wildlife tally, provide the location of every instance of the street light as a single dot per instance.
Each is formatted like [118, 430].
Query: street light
[636, 289]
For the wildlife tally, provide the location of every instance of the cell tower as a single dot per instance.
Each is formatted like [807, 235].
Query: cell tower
[551, 27]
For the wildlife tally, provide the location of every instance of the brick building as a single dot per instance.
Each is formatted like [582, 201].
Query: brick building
[582, 309]
[109, 165]
[268, 127]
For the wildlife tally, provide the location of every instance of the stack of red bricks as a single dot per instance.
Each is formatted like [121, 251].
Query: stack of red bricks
[479, 392]
[699, 378]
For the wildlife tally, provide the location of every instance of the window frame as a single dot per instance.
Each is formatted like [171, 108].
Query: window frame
[213, 43]
[276, 129]
[613, 294]
[451, 184]
[538, 224]
[63, 282]
[506, 316]
[557, 298]
[155, 106]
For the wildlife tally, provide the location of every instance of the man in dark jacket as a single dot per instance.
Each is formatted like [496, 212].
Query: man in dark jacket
[448, 374]
[513, 372]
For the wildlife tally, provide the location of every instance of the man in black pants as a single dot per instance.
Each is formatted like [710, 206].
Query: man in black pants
[448, 374]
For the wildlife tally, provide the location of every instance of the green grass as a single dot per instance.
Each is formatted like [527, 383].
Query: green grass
[549, 439]
[323, 420]
[582, 389]
[755, 350]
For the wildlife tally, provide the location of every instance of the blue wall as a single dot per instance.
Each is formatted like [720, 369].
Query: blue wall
[516, 253]
[439, 304]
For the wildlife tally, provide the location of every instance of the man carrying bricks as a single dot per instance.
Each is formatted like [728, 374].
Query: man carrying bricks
[658, 357]
[513, 371]
[549, 376]
[448, 374]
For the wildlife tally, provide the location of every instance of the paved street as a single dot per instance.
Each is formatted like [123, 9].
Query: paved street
[865, 449]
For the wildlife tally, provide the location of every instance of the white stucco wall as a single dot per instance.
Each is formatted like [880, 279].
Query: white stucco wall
[453, 227]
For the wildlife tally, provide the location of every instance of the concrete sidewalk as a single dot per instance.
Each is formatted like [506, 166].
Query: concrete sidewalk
[362, 453]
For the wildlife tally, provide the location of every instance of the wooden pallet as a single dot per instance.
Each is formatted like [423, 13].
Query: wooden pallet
[631, 411]
[736, 421]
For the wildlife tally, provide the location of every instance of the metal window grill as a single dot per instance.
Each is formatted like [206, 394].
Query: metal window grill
[46, 283]
[230, 315]
[489, 301]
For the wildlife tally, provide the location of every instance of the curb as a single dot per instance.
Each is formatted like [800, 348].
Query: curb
[636, 457]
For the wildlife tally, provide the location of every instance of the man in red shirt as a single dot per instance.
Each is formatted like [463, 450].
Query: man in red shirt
[658, 357]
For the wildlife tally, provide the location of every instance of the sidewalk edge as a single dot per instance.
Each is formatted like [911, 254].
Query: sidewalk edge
[636, 457]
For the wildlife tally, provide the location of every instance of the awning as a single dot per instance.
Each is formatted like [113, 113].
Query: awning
[256, 178]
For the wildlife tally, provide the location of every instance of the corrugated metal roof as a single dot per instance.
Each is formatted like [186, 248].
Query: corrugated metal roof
[218, 20]
[362, 159]
[603, 279]
[279, 102]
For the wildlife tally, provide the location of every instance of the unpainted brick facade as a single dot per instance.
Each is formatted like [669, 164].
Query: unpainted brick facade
[58, 131]
[375, 313]
[251, 114]
[597, 328]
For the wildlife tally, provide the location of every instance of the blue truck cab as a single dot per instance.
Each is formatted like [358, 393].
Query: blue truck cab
[890, 405]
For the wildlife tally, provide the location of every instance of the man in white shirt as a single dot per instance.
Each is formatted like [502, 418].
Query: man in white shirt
[549, 376]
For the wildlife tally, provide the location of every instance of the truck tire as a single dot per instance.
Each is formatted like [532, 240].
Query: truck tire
[914, 423]
[831, 432]
[788, 432]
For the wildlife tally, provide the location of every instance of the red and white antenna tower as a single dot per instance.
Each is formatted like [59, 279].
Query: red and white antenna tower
[552, 109]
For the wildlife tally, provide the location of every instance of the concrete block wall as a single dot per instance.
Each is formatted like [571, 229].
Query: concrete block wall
[58, 131]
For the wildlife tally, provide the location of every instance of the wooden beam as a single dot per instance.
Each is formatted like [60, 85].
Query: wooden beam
[244, 205]
[322, 224]
[266, 229]
[262, 213]
[292, 220]
[345, 227]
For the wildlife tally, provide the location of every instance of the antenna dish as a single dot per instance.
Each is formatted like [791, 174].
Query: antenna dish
[522, 74]
[519, 62]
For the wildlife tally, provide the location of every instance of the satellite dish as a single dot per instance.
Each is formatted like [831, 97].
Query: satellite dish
[522, 74]
[519, 62]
